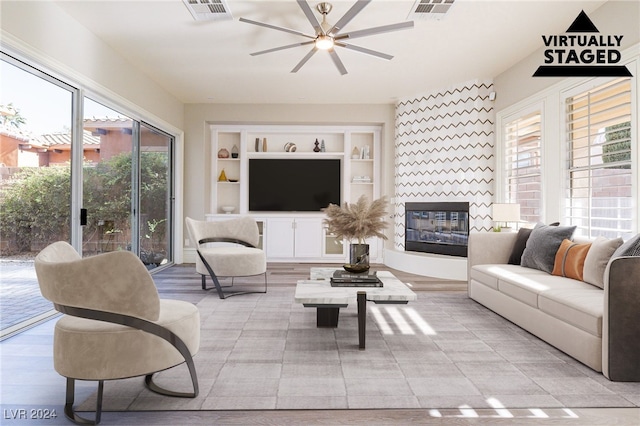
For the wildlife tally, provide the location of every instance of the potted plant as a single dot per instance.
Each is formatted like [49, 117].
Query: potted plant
[357, 222]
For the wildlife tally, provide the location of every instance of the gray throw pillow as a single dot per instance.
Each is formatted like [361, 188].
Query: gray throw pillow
[597, 259]
[521, 242]
[542, 245]
[630, 248]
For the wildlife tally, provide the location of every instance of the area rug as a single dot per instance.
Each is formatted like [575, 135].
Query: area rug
[442, 351]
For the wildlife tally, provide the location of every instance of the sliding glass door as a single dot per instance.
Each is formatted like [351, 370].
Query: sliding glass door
[107, 179]
[126, 186]
[36, 166]
[114, 167]
[155, 196]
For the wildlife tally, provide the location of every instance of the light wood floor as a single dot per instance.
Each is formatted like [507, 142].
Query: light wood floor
[577, 417]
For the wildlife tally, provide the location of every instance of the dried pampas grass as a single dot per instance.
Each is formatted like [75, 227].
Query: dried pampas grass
[358, 220]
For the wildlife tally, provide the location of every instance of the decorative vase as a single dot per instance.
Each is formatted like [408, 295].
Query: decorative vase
[234, 152]
[317, 147]
[355, 153]
[358, 258]
[223, 153]
[222, 177]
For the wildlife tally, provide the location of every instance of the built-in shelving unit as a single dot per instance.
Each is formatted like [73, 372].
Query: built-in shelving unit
[357, 148]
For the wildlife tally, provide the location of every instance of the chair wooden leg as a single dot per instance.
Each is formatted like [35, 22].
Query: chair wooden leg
[70, 398]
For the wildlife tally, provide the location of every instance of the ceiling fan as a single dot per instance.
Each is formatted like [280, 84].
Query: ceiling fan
[328, 36]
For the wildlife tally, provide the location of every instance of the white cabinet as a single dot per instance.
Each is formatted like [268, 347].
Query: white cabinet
[293, 238]
[308, 238]
[289, 235]
[279, 233]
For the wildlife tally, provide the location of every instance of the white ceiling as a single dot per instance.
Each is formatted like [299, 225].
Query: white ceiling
[209, 62]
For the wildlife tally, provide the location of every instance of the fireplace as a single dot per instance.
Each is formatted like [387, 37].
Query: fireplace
[440, 228]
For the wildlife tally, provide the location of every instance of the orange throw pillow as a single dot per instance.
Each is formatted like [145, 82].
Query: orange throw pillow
[569, 260]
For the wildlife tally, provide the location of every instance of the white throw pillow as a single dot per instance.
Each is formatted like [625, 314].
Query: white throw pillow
[597, 259]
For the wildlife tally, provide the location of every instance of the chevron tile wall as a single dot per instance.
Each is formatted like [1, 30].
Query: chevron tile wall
[444, 151]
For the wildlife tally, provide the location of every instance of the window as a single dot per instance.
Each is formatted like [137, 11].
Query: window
[117, 167]
[522, 165]
[599, 194]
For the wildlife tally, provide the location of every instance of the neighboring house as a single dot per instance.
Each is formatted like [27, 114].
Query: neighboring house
[102, 139]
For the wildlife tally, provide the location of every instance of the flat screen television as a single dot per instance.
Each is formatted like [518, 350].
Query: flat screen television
[296, 185]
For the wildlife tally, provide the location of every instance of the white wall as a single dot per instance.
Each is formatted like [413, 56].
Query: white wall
[517, 83]
[198, 117]
[42, 31]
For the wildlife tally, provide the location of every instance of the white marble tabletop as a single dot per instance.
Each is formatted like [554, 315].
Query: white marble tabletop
[318, 290]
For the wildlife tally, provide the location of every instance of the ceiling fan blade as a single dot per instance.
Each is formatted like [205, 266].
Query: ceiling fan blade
[376, 30]
[305, 59]
[275, 49]
[273, 27]
[365, 50]
[347, 17]
[337, 61]
[310, 16]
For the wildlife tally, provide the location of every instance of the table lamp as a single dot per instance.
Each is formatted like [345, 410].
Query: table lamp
[505, 214]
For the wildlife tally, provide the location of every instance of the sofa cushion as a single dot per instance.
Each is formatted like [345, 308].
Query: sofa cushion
[597, 259]
[526, 287]
[519, 246]
[569, 261]
[521, 242]
[489, 274]
[543, 244]
[629, 248]
[581, 307]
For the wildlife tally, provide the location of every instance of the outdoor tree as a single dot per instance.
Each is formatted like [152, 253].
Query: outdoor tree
[36, 205]
[11, 116]
[617, 147]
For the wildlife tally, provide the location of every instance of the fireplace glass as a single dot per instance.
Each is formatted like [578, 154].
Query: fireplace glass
[440, 228]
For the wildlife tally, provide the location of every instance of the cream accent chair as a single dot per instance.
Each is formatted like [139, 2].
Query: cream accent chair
[238, 256]
[115, 326]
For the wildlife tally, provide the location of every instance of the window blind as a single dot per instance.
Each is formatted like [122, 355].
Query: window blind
[522, 165]
[599, 166]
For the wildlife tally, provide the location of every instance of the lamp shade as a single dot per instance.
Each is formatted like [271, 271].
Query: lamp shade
[506, 212]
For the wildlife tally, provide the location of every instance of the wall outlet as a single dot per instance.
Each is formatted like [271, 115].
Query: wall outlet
[186, 242]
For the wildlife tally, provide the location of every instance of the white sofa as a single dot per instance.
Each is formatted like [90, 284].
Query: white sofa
[599, 327]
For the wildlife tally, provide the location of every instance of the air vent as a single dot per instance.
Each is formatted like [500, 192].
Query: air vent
[430, 9]
[208, 10]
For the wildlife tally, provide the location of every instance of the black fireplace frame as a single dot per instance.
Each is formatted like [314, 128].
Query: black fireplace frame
[429, 247]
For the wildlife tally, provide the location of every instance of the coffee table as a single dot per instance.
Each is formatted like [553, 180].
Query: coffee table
[317, 292]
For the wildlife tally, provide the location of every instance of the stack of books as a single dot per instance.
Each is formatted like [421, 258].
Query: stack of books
[349, 279]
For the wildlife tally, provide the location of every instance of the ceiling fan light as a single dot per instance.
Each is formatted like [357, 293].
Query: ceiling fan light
[324, 42]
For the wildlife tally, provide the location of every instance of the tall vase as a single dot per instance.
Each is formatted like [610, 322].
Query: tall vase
[359, 257]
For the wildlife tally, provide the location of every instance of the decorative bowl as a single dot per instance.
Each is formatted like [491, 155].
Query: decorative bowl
[227, 209]
[356, 269]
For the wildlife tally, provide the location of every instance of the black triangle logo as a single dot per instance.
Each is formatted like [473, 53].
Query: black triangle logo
[582, 24]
